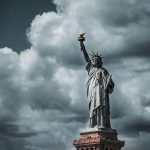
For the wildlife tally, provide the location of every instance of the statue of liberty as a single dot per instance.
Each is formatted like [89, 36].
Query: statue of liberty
[99, 86]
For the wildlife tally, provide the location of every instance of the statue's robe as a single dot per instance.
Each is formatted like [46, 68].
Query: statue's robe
[99, 85]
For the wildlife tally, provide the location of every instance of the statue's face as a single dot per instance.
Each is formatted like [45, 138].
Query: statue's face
[97, 62]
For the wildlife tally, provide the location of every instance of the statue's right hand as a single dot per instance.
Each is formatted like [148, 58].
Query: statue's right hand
[81, 39]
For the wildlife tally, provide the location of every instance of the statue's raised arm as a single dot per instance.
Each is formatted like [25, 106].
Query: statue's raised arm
[81, 38]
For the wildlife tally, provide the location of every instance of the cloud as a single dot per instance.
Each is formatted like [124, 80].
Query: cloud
[42, 90]
[36, 101]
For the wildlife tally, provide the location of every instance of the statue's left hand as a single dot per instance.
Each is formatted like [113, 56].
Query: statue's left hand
[110, 86]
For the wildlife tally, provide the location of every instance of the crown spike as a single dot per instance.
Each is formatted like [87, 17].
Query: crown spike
[95, 55]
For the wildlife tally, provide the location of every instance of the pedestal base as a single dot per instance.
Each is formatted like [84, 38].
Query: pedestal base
[98, 140]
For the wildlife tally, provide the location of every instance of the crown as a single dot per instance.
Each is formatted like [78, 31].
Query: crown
[95, 55]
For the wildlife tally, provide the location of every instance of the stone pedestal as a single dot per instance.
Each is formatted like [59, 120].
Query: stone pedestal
[98, 140]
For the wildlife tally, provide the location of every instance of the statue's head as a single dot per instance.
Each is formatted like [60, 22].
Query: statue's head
[96, 60]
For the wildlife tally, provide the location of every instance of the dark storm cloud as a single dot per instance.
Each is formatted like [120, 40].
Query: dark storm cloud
[137, 124]
[124, 13]
[118, 103]
[140, 49]
[48, 96]
[133, 125]
[13, 130]
[8, 143]
[145, 101]
[128, 20]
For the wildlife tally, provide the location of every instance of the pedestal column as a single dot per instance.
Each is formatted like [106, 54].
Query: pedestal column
[98, 140]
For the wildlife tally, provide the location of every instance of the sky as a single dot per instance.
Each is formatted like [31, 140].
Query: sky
[43, 104]
[16, 17]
